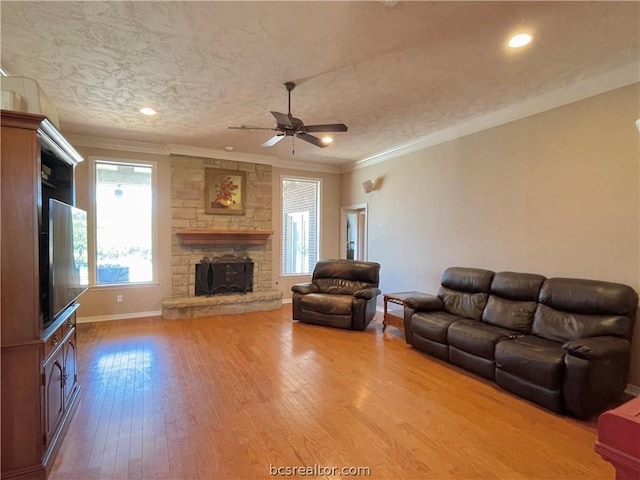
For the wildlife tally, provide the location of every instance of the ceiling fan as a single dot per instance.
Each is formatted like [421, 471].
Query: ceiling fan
[289, 126]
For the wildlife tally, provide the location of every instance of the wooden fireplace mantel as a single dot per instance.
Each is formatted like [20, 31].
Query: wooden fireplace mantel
[207, 236]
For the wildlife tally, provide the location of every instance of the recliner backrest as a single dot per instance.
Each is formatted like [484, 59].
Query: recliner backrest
[345, 277]
[571, 308]
[464, 291]
[513, 300]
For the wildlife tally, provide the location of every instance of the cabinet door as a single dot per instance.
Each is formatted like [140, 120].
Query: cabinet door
[53, 393]
[70, 371]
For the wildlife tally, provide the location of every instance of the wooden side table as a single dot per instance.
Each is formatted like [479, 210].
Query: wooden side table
[395, 318]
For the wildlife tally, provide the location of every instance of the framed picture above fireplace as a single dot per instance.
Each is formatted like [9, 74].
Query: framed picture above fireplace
[225, 192]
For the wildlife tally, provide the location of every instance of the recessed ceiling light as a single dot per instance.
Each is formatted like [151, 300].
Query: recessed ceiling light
[228, 149]
[148, 111]
[520, 40]
[327, 140]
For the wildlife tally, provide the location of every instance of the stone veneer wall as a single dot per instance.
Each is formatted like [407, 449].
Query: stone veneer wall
[187, 211]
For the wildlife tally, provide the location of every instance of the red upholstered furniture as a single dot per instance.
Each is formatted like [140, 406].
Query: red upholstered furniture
[619, 439]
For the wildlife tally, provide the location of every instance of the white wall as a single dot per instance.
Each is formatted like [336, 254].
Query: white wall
[556, 193]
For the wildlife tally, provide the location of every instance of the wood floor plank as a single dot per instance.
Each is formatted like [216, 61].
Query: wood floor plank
[233, 396]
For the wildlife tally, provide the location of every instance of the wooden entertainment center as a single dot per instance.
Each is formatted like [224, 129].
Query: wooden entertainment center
[39, 368]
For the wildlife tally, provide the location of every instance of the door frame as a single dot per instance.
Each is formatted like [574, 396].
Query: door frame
[360, 208]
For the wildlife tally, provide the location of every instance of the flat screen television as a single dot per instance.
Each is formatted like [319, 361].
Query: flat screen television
[68, 255]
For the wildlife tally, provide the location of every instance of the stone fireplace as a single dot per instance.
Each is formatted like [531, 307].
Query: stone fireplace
[197, 235]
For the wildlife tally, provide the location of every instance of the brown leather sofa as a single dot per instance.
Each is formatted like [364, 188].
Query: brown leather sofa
[563, 343]
[342, 293]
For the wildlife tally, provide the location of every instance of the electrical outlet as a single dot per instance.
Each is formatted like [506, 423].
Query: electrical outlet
[119, 298]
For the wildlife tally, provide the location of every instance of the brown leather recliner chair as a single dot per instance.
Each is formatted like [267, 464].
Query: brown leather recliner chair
[342, 293]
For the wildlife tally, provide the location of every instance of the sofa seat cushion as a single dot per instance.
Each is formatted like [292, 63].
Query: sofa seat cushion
[433, 325]
[477, 338]
[327, 303]
[534, 359]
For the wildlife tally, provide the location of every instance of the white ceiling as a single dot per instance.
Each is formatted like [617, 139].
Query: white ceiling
[392, 74]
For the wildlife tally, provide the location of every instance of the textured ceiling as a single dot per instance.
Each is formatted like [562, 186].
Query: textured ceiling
[391, 74]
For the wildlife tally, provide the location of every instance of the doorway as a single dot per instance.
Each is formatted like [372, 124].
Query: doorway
[353, 232]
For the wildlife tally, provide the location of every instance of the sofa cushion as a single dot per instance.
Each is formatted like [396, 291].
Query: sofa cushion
[463, 304]
[464, 291]
[511, 314]
[571, 308]
[517, 286]
[476, 338]
[513, 300]
[589, 297]
[339, 286]
[565, 326]
[365, 272]
[433, 325]
[327, 303]
[534, 359]
[472, 280]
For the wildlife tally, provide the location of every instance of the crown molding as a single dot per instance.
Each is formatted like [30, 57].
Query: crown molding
[611, 80]
[190, 151]
[308, 167]
[186, 150]
[115, 144]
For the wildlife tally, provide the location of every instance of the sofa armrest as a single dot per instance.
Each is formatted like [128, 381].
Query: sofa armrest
[597, 347]
[596, 370]
[367, 293]
[305, 288]
[424, 303]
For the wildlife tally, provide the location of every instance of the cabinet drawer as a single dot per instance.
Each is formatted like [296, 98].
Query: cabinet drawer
[52, 342]
[68, 325]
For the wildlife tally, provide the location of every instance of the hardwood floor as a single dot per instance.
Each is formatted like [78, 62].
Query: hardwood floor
[241, 396]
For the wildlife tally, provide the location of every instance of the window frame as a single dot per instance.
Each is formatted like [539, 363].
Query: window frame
[300, 178]
[93, 224]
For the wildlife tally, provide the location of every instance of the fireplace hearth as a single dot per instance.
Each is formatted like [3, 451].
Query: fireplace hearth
[225, 274]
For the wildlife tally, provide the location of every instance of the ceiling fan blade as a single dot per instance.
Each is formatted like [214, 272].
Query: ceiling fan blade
[248, 127]
[282, 119]
[273, 140]
[332, 127]
[311, 139]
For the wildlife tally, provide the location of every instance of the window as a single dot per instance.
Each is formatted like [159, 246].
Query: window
[300, 214]
[124, 222]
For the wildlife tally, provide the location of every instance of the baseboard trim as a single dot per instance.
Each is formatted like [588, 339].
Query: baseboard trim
[286, 300]
[119, 316]
[633, 390]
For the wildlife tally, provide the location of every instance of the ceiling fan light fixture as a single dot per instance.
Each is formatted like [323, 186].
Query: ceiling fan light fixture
[148, 111]
[289, 126]
[520, 40]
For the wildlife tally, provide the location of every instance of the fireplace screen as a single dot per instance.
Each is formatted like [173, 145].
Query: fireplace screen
[226, 274]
